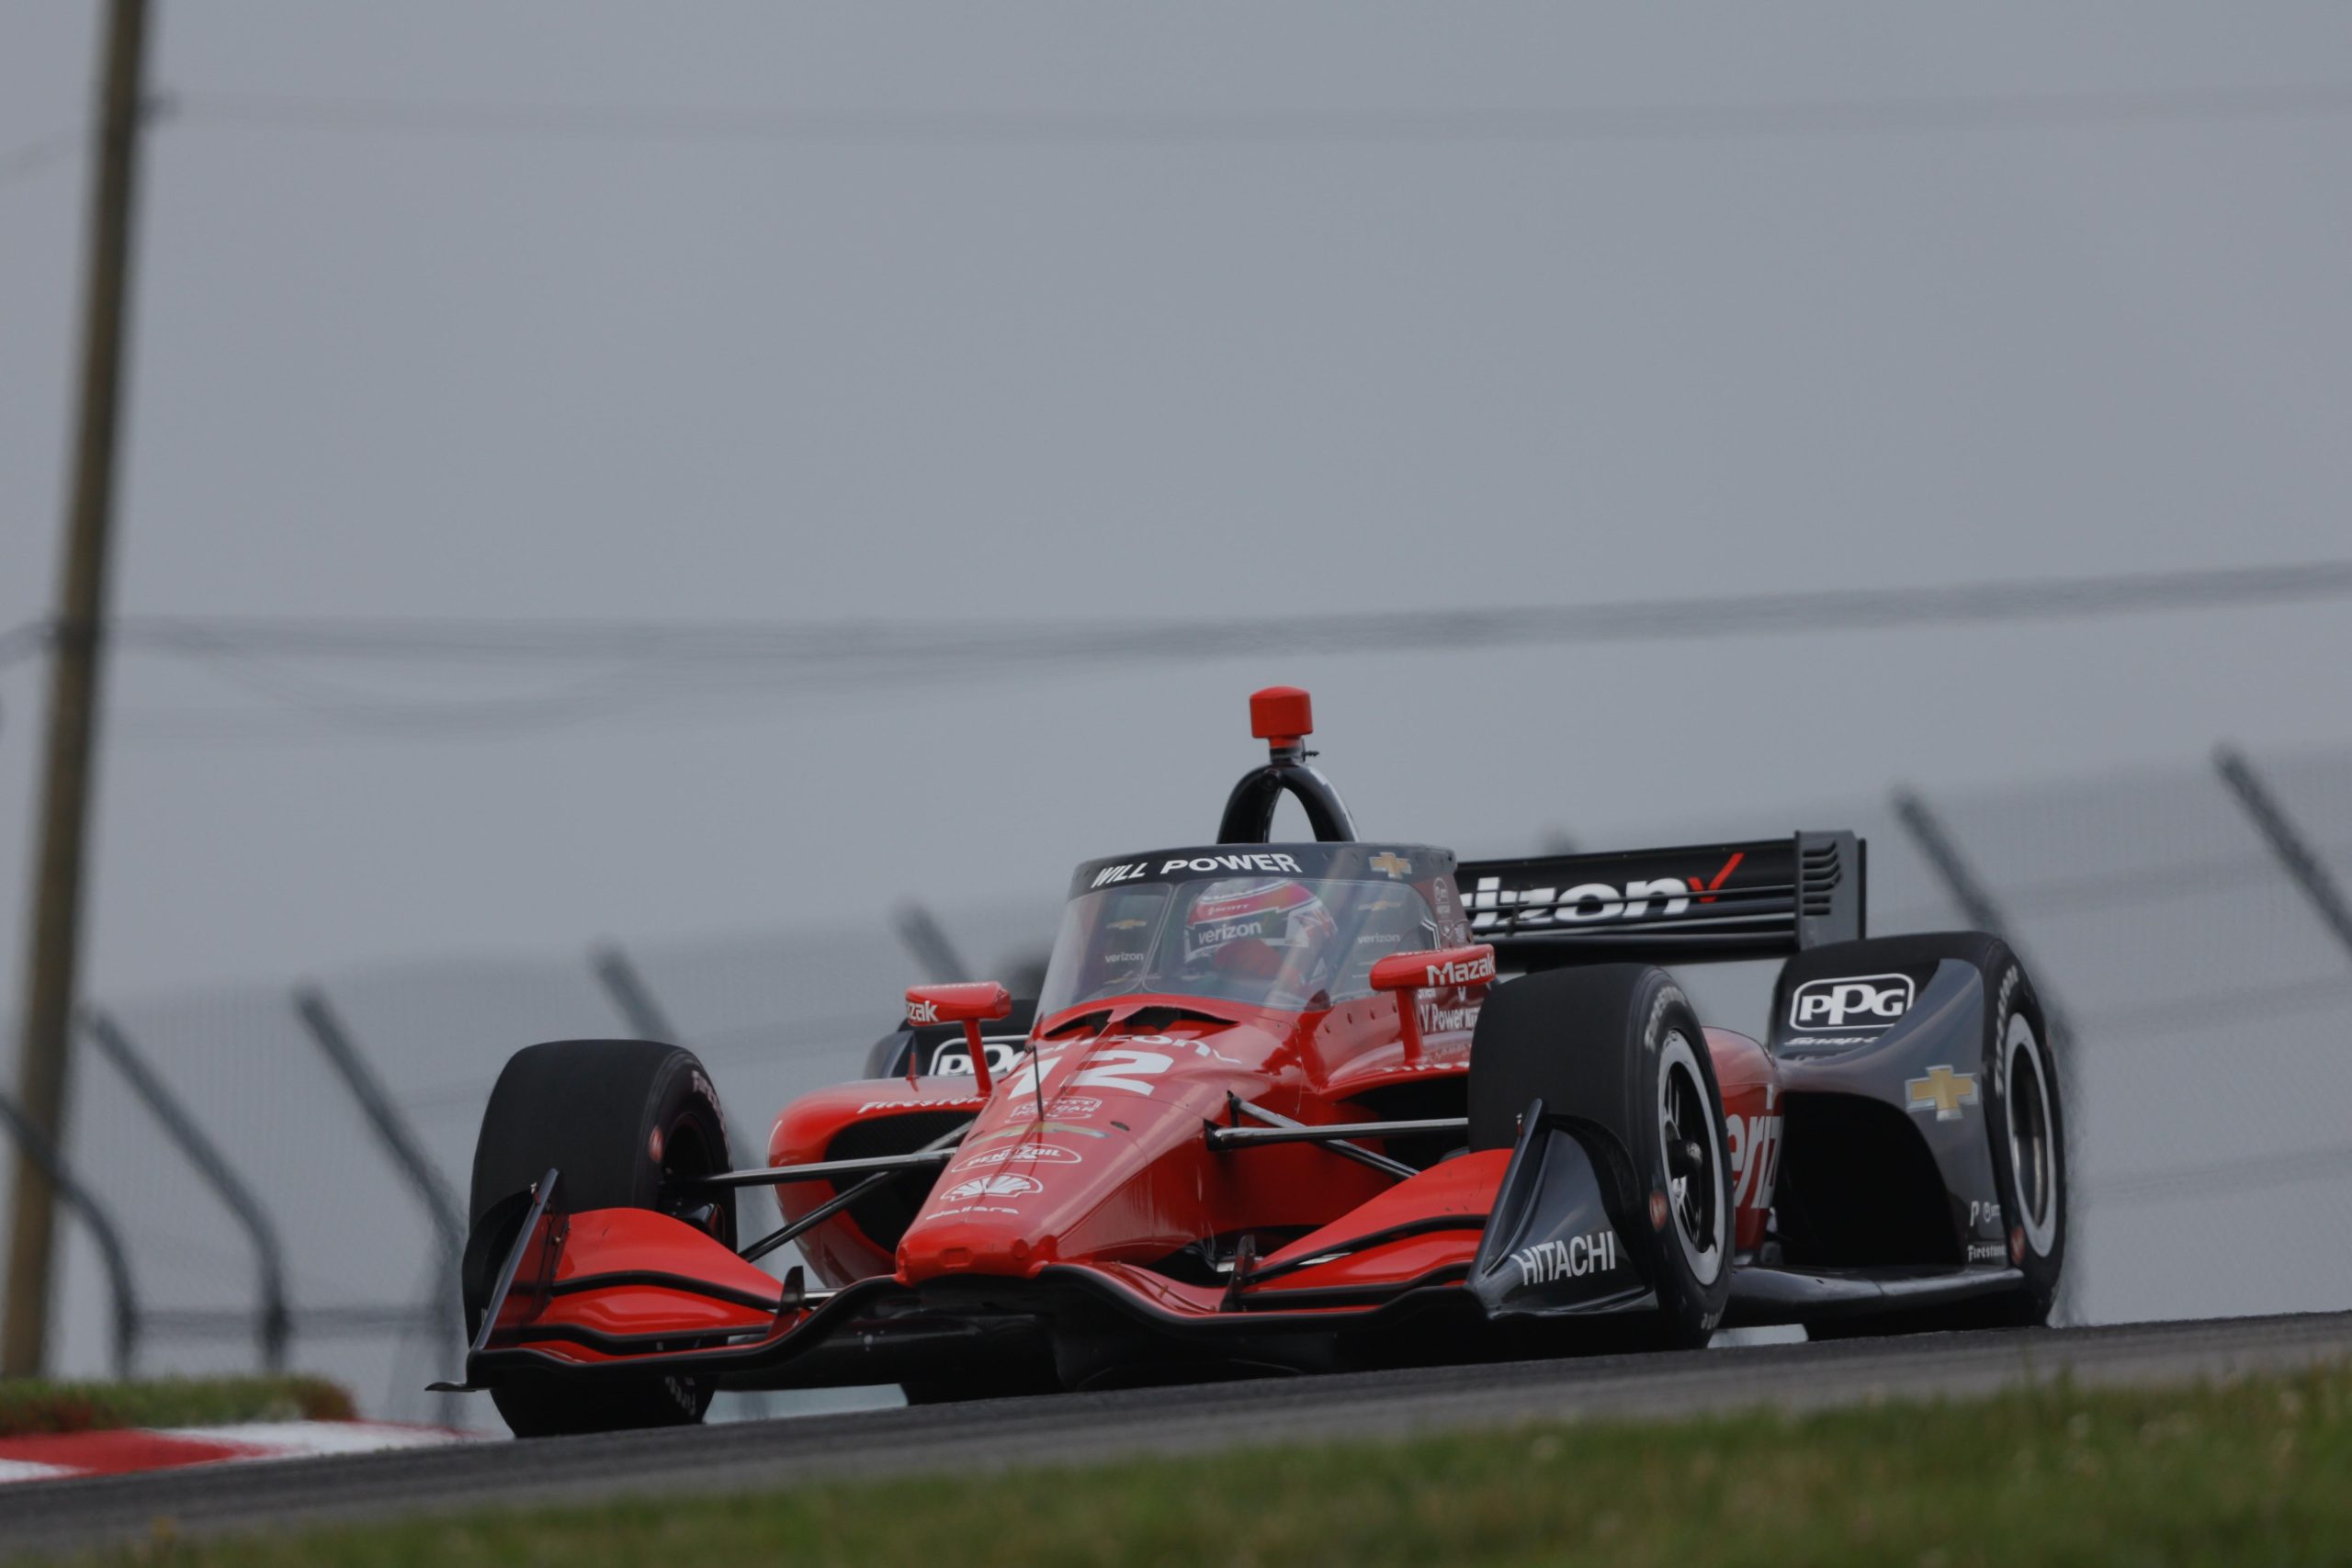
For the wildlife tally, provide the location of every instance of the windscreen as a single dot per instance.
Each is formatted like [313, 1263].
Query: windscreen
[1291, 942]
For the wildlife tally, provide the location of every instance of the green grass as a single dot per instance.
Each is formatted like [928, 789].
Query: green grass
[2254, 1472]
[30, 1406]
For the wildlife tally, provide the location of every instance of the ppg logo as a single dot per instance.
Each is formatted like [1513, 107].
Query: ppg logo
[1864, 1001]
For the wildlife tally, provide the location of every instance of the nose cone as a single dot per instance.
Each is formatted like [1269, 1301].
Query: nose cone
[1104, 1161]
[1022, 1187]
[1002, 1207]
[978, 1225]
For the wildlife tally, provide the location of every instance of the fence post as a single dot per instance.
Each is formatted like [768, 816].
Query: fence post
[36, 1148]
[646, 1018]
[399, 1141]
[2294, 852]
[1960, 880]
[629, 993]
[1976, 904]
[275, 1321]
[924, 938]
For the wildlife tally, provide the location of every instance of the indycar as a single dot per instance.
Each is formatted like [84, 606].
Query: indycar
[1293, 1107]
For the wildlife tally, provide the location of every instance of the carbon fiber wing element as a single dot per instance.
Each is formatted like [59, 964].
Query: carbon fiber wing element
[1765, 899]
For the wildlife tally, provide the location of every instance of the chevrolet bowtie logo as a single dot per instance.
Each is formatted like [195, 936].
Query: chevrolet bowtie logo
[1394, 865]
[1944, 1090]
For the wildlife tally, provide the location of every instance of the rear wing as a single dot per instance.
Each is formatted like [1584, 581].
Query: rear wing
[1701, 903]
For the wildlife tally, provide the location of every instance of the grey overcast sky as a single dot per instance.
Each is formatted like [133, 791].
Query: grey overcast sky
[419, 372]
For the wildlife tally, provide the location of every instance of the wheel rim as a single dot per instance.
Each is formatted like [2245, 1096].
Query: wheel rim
[1691, 1146]
[2033, 1148]
[688, 1156]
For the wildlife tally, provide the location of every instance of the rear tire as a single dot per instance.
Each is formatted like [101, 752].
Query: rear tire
[2025, 1124]
[625, 1124]
[1618, 1046]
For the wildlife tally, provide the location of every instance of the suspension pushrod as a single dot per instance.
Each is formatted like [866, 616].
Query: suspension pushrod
[825, 1170]
[1333, 1137]
[939, 1149]
[1252, 1137]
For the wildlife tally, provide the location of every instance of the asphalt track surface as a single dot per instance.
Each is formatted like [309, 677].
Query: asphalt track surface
[66, 1516]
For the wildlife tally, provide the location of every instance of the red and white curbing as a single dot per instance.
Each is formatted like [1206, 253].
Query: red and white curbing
[63, 1455]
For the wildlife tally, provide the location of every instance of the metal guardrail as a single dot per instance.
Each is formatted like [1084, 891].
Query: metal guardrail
[2302, 862]
[313, 1323]
[392, 1128]
[2044, 891]
[273, 1322]
[926, 940]
[1978, 905]
[84, 1203]
[631, 996]
[401, 1142]
[646, 1018]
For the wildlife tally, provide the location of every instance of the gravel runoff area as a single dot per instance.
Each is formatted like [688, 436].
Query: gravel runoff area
[51, 1517]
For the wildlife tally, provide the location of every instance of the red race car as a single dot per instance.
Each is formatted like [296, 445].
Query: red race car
[1290, 1107]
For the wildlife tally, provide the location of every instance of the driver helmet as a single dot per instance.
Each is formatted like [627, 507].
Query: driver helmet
[1263, 927]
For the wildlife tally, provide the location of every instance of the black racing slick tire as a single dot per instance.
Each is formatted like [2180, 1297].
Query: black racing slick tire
[625, 1123]
[2025, 1124]
[1617, 1046]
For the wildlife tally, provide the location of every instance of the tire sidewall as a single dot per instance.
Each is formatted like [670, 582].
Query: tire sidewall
[1587, 1040]
[2010, 995]
[600, 1144]
[1692, 1307]
[590, 1110]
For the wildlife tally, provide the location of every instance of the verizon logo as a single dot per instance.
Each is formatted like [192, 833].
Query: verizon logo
[1589, 903]
[1492, 903]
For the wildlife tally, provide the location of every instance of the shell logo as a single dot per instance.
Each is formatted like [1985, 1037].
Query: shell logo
[1001, 1186]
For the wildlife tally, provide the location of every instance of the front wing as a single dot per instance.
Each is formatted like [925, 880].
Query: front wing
[1493, 1253]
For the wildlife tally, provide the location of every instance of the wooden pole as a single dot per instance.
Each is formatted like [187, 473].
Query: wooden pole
[46, 1043]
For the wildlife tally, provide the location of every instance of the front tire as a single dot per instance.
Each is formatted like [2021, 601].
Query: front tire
[625, 1124]
[1618, 1045]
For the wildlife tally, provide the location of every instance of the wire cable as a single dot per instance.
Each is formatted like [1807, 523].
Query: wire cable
[646, 661]
[1815, 610]
[28, 159]
[649, 662]
[1029, 128]
[18, 644]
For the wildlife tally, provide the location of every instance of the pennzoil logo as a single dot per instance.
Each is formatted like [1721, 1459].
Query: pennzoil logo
[1039, 1153]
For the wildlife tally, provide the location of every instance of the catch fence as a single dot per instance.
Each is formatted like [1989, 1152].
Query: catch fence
[273, 1174]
